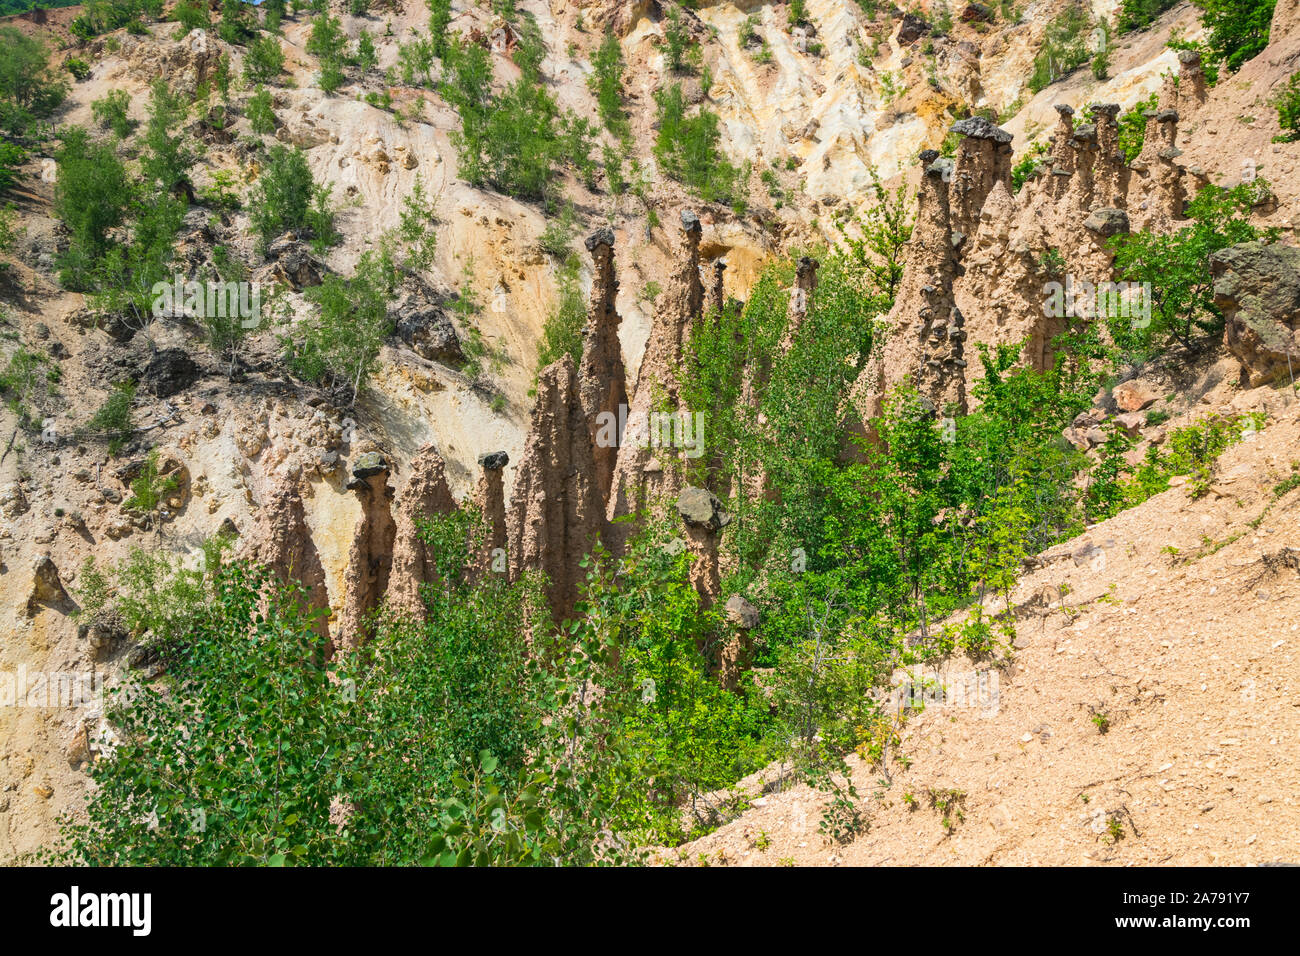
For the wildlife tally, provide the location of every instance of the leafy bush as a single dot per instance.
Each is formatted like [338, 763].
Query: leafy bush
[1064, 49]
[29, 88]
[688, 151]
[283, 199]
[113, 419]
[192, 15]
[1133, 127]
[678, 45]
[1287, 103]
[92, 195]
[1140, 14]
[515, 141]
[1025, 166]
[328, 43]
[168, 155]
[12, 156]
[261, 117]
[263, 60]
[562, 333]
[1238, 29]
[111, 111]
[341, 346]
[1177, 267]
[606, 84]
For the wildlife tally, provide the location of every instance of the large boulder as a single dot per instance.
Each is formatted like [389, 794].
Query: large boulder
[293, 263]
[171, 371]
[911, 29]
[700, 508]
[1257, 287]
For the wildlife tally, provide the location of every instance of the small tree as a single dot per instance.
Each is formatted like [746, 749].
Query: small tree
[328, 43]
[342, 345]
[1238, 29]
[261, 117]
[1287, 104]
[282, 196]
[168, 156]
[149, 489]
[111, 111]
[91, 196]
[264, 59]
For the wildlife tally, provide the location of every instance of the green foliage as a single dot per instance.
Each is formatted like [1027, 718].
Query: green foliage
[1101, 58]
[12, 156]
[515, 141]
[1133, 127]
[341, 346]
[1065, 46]
[415, 226]
[1177, 267]
[367, 57]
[1026, 166]
[91, 196]
[272, 756]
[149, 488]
[1140, 14]
[606, 84]
[1238, 29]
[192, 15]
[1190, 451]
[678, 44]
[286, 199]
[263, 60]
[687, 148]
[103, 16]
[562, 333]
[30, 90]
[235, 26]
[22, 383]
[877, 238]
[111, 111]
[113, 419]
[439, 24]
[328, 43]
[555, 238]
[415, 60]
[261, 116]
[1287, 103]
[168, 156]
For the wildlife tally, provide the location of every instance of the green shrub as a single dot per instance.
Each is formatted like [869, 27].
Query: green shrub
[192, 15]
[1238, 29]
[562, 333]
[263, 60]
[91, 196]
[606, 84]
[341, 346]
[260, 114]
[1064, 49]
[1177, 267]
[1287, 103]
[113, 419]
[1140, 14]
[30, 90]
[687, 148]
[1133, 127]
[111, 111]
[515, 141]
[282, 198]
[328, 43]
